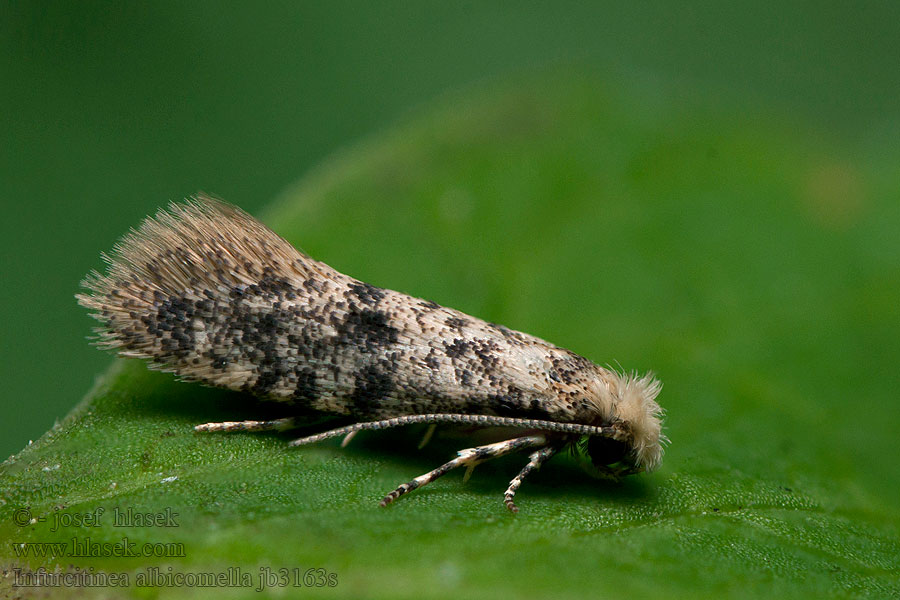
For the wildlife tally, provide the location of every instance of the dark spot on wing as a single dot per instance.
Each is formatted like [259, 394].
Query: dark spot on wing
[367, 328]
[456, 322]
[306, 388]
[366, 293]
[371, 385]
[457, 348]
[514, 403]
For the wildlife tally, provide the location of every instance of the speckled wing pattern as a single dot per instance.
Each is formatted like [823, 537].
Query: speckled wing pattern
[206, 291]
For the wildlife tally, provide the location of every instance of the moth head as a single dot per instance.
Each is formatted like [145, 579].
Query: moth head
[637, 418]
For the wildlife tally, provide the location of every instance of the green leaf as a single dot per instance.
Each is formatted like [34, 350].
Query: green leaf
[751, 264]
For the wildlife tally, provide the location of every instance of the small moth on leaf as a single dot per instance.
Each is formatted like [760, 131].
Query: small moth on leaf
[209, 293]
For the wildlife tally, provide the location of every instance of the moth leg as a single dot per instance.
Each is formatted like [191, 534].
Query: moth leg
[273, 425]
[537, 458]
[468, 457]
[427, 437]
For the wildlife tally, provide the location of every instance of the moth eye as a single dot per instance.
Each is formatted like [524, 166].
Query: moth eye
[606, 451]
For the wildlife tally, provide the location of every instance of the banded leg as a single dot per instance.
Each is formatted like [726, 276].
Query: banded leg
[468, 457]
[537, 458]
[273, 425]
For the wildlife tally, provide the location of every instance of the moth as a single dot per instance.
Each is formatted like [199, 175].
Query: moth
[207, 292]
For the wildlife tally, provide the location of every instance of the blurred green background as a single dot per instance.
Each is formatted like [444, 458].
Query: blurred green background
[109, 110]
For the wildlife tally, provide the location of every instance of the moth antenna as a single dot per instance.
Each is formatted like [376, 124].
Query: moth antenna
[483, 420]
